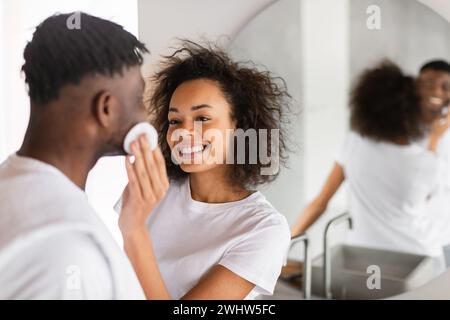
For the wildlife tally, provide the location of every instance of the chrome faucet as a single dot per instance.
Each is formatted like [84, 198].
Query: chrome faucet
[345, 217]
[306, 264]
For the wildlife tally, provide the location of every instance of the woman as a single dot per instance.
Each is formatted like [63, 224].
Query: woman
[390, 177]
[209, 235]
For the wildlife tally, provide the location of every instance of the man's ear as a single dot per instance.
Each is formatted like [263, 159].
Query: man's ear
[103, 108]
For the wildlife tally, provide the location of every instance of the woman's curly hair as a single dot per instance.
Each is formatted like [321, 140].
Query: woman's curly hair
[385, 105]
[257, 99]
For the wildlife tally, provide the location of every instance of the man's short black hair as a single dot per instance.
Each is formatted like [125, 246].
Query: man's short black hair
[59, 55]
[437, 65]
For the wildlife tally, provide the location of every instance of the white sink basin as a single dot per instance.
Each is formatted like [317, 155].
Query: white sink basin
[399, 272]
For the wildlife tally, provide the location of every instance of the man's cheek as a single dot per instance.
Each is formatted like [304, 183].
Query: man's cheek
[141, 113]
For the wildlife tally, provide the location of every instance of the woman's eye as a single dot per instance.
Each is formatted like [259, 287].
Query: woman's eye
[173, 122]
[202, 119]
[446, 87]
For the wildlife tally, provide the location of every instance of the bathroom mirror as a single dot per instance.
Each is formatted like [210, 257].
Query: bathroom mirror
[319, 47]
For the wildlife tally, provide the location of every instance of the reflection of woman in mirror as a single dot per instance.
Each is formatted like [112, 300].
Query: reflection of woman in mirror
[211, 236]
[434, 86]
[390, 177]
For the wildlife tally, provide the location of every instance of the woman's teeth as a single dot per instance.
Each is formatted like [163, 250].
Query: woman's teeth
[435, 101]
[192, 150]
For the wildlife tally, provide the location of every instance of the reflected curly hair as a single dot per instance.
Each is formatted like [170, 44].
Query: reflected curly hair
[257, 99]
[385, 105]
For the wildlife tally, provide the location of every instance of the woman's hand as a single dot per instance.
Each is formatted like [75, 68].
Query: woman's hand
[147, 186]
[438, 128]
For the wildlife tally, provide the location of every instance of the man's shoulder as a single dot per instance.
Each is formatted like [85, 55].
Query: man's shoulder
[63, 265]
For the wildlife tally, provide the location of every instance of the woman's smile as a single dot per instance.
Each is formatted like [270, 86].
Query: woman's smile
[188, 152]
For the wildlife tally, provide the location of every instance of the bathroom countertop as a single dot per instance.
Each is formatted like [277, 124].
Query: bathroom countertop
[436, 289]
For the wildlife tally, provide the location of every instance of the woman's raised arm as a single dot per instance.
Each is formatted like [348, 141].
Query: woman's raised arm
[315, 209]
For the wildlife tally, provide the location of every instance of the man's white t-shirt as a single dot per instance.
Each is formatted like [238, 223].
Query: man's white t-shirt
[248, 237]
[52, 243]
[439, 205]
[390, 187]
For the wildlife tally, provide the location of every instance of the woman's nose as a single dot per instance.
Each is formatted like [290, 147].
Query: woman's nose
[193, 128]
[188, 126]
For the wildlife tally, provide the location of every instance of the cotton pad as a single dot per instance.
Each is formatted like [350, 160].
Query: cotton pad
[136, 131]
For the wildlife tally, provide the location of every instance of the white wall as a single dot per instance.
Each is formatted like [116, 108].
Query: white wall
[441, 7]
[2, 84]
[273, 41]
[19, 19]
[161, 21]
[325, 68]
[326, 58]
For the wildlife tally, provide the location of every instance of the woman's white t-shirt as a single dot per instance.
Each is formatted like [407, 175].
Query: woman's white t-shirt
[248, 237]
[390, 187]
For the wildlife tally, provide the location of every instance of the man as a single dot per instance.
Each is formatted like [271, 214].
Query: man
[434, 87]
[85, 90]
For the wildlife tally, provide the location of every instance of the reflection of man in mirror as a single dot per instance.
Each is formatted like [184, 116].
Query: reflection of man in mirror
[434, 87]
